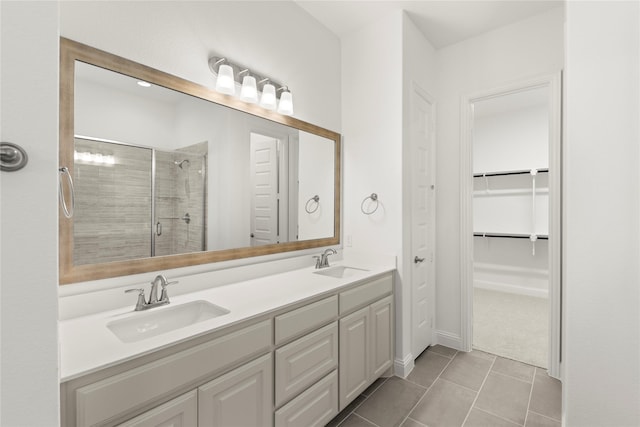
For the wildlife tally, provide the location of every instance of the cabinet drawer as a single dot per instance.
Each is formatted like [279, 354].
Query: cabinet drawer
[304, 361]
[179, 412]
[305, 319]
[114, 396]
[315, 407]
[365, 294]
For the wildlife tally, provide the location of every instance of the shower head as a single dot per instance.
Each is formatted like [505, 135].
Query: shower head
[182, 164]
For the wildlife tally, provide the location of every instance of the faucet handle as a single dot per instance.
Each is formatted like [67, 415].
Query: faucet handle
[318, 260]
[164, 285]
[141, 302]
[164, 296]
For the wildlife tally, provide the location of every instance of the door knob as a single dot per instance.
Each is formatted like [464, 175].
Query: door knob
[418, 260]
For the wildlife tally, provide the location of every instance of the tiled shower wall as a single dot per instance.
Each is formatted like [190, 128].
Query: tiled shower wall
[112, 221]
[181, 191]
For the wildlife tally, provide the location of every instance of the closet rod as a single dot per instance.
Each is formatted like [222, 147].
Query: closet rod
[510, 236]
[517, 172]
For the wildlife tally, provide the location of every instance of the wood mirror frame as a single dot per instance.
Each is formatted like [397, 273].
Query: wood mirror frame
[70, 52]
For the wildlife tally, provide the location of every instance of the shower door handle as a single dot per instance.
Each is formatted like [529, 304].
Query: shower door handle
[418, 260]
[158, 229]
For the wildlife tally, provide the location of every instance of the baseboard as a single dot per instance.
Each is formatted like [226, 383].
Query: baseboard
[512, 279]
[448, 339]
[511, 289]
[403, 367]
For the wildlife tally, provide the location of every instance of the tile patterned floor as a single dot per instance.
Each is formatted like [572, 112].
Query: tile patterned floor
[448, 388]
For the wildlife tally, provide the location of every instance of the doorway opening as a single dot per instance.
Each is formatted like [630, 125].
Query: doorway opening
[511, 223]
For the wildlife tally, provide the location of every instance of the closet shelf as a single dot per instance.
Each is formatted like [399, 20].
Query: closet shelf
[510, 235]
[504, 173]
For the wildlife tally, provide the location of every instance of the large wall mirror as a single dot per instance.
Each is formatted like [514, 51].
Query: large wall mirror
[168, 173]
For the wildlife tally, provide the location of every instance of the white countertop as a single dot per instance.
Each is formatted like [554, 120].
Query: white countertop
[87, 345]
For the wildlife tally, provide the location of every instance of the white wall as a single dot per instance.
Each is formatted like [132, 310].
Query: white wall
[601, 246]
[511, 140]
[376, 96]
[521, 50]
[179, 37]
[372, 117]
[29, 211]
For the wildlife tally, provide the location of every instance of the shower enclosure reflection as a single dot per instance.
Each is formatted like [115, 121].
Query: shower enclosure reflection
[135, 202]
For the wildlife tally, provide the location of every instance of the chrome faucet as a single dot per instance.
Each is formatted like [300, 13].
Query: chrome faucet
[322, 261]
[141, 304]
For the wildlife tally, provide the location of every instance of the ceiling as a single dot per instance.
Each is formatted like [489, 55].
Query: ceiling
[443, 22]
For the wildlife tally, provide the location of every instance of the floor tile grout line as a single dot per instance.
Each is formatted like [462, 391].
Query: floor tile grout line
[545, 416]
[479, 390]
[364, 418]
[415, 421]
[512, 377]
[360, 404]
[428, 388]
[526, 416]
[497, 416]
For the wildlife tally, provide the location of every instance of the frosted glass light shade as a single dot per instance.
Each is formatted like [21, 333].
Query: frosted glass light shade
[249, 91]
[286, 103]
[225, 82]
[268, 99]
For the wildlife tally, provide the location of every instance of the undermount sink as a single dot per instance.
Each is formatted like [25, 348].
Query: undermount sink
[142, 325]
[340, 271]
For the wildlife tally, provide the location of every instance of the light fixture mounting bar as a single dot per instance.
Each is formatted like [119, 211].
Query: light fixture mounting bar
[240, 71]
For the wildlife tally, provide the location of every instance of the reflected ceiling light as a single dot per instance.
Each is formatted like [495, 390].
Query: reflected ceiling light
[144, 84]
[254, 86]
[285, 106]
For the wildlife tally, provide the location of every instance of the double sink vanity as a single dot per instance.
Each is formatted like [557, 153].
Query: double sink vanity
[288, 349]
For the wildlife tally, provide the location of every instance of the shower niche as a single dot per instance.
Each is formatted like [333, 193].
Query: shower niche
[136, 202]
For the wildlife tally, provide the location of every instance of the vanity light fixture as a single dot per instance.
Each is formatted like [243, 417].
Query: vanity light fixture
[254, 88]
[268, 99]
[249, 91]
[225, 83]
[286, 102]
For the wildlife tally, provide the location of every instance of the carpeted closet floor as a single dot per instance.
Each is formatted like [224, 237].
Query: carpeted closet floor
[512, 326]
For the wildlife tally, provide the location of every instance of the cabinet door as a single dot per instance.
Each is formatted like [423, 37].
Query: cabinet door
[354, 355]
[240, 398]
[381, 336]
[179, 412]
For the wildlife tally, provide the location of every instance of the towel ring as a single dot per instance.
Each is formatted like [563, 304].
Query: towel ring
[68, 211]
[315, 199]
[374, 198]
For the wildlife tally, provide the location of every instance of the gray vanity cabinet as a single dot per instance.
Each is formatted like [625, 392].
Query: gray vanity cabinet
[243, 397]
[296, 367]
[306, 386]
[179, 412]
[366, 337]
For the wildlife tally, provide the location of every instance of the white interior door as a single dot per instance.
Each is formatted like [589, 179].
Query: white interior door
[423, 220]
[264, 190]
